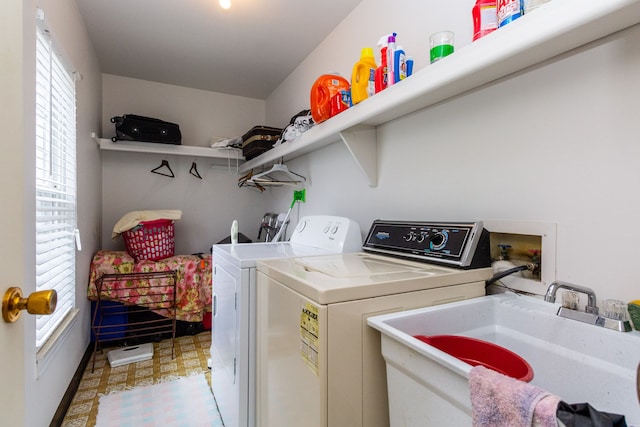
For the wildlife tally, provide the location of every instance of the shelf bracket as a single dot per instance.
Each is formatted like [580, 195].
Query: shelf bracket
[362, 143]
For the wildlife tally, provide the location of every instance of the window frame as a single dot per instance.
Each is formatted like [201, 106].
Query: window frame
[55, 185]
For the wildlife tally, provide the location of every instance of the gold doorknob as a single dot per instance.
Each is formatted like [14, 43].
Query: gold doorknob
[40, 302]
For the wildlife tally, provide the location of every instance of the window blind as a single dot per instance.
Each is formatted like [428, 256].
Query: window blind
[55, 183]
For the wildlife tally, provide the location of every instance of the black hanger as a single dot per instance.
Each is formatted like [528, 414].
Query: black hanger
[164, 164]
[194, 170]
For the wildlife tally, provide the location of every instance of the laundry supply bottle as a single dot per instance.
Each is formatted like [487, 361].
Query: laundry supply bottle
[409, 66]
[323, 89]
[391, 52]
[530, 5]
[381, 76]
[381, 71]
[399, 65]
[508, 11]
[363, 76]
[485, 18]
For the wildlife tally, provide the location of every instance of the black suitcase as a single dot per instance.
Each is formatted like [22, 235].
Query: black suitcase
[145, 129]
[258, 140]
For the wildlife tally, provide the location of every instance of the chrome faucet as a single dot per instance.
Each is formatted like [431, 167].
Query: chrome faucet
[590, 314]
[591, 307]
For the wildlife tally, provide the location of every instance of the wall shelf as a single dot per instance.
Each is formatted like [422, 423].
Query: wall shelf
[555, 28]
[221, 156]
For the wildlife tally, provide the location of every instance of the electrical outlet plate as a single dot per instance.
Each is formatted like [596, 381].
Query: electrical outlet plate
[546, 232]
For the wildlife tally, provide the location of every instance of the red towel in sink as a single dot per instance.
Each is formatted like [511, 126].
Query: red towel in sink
[498, 400]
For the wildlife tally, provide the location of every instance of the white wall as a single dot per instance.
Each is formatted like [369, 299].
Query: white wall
[201, 114]
[555, 144]
[45, 387]
[208, 205]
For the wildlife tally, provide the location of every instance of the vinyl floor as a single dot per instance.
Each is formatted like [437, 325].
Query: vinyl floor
[191, 354]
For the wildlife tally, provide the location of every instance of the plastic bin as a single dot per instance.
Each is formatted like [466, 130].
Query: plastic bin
[114, 325]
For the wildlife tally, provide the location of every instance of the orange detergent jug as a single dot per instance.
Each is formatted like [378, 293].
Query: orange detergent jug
[324, 88]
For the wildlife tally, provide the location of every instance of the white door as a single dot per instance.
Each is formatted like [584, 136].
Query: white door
[12, 209]
[225, 342]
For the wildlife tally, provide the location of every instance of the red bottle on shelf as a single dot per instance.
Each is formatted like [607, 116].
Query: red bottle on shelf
[485, 18]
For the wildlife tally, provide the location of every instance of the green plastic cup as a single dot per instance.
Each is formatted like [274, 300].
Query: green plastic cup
[441, 44]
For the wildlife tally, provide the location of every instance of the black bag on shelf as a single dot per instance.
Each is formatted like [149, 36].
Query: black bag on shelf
[145, 129]
[258, 140]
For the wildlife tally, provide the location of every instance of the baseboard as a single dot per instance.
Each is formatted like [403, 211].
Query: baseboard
[58, 417]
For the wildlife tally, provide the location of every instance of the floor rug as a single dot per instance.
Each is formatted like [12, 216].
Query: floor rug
[187, 402]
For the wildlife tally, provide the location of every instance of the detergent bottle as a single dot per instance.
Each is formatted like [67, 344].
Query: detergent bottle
[399, 65]
[325, 88]
[382, 72]
[409, 66]
[508, 11]
[363, 76]
[485, 18]
[391, 54]
[529, 5]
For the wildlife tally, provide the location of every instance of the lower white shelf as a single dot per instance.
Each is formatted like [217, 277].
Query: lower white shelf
[223, 155]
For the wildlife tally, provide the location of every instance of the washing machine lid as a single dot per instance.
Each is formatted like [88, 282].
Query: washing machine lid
[245, 255]
[336, 278]
[364, 265]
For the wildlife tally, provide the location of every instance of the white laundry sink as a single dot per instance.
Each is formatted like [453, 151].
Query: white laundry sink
[576, 361]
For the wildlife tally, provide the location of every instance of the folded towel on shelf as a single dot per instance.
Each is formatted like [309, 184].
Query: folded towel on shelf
[498, 400]
[132, 219]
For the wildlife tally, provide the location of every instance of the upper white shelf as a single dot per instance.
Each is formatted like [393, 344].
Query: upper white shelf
[556, 27]
[176, 150]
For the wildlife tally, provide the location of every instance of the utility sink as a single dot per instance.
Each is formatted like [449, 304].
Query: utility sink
[576, 361]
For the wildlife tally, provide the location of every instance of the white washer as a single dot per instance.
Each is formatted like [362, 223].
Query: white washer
[319, 363]
[233, 325]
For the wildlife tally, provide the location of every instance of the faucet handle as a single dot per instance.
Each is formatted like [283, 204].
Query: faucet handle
[615, 309]
[570, 300]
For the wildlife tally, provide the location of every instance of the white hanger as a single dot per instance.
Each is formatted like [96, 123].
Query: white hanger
[279, 174]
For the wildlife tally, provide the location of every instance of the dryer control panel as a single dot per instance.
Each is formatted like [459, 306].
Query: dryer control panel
[333, 233]
[464, 245]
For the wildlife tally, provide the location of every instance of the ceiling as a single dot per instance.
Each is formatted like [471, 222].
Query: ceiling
[247, 50]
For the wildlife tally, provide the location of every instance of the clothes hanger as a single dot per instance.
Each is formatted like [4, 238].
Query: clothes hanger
[245, 181]
[279, 174]
[159, 171]
[194, 170]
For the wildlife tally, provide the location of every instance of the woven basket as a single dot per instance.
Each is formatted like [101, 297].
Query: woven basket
[152, 240]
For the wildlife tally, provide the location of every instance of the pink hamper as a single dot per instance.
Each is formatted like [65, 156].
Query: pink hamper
[152, 240]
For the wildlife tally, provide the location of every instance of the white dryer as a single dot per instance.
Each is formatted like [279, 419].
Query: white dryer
[234, 306]
[319, 363]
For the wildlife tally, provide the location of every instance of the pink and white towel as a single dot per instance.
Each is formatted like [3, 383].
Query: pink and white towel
[498, 400]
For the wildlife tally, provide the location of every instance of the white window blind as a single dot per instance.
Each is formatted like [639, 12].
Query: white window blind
[55, 183]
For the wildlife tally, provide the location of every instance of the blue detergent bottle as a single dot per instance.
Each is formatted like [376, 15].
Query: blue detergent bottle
[399, 65]
[509, 11]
